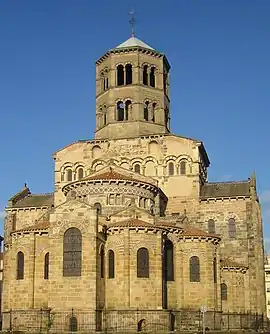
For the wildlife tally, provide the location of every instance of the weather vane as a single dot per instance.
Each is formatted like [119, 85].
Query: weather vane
[131, 21]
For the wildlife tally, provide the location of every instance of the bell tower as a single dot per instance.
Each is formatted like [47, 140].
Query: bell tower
[132, 92]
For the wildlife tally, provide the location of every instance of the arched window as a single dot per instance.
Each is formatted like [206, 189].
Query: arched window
[98, 208]
[224, 291]
[46, 266]
[154, 112]
[128, 74]
[106, 80]
[111, 263]
[152, 77]
[73, 324]
[137, 168]
[145, 202]
[211, 226]
[69, 174]
[166, 117]
[72, 257]
[232, 228]
[215, 269]
[102, 81]
[127, 108]
[142, 262]
[104, 119]
[141, 202]
[102, 255]
[168, 261]
[194, 269]
[120, 111]
[117, 199]
[183, 165]
[20, 265]
[171, 168]
[120, 75]
[145, 75]
[80, 173]
[146, 111]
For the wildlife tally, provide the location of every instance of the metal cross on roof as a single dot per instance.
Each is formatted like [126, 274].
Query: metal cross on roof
[132, 21]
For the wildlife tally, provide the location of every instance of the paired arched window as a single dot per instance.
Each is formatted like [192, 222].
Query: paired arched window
[137, 168]
[194, 269]
[98, 208]
[142, 262]
[80, 173]
[149, 76]
[111, 264]
[146, 111]
[211, 226]
[232, 228]
[124, 75]
[224, 291]
[72, 252]
[69, 174]
[168, 261]
[171, 168]
[102, 257]
[183, 167]
[73, 324]
[120, 75]
[20, 265]
[46, 266]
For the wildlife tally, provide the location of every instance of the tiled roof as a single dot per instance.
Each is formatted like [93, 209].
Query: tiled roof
[228, 263]
[131, 222]
[110, 175]
[225, 189]
[192, 231]
[33, 200]
[42, 225]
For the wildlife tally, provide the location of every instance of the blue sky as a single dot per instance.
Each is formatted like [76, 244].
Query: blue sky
[220, 76]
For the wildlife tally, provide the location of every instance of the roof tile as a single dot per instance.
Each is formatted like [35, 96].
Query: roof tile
[225, 189]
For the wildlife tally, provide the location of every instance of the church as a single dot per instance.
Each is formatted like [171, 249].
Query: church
[134, 236]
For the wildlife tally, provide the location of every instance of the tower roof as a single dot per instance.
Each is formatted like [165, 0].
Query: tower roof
[133, 41]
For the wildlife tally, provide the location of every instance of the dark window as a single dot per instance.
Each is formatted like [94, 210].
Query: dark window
[127, 108]
[168, 259]
[211, 226]
[145, 111]
[128, 74]
[142, 262]
[152, 77]
[107, 82]
[171, 168]
[232, 228]
[194, 269]
[98, 208]
[145, 75]
[69, 175]
[137, 168]
[154, 111]
[111, 263]
[20, 265]
[120, 75]
[183, 165]
[80, 173]
[215, 269]
[165, 78]
[72, 257]
[102, 80]
[73, 324]
[102, 262]
[46, 266]
[120, 111]
[166, 116]
[104, 119]
[224, 292]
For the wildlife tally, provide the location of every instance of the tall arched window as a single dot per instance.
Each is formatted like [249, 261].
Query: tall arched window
[128, 74]
[145, 75]
[102, 255]
[20, 265]
[224, 291]
[183, 167]
[211, 226]
[137, 168]
[232, 228]
[127, 108]
[111, 264]
[142, 262]
[171, 168]
[73, 324]
[152, 77]
[120, 111]
[194, 269]
[168, 261]
[120, 75]
[69, 174]
[146, 111]
[72, 257]
[98, 208]
[154, 112]
[46, 266]
[106, 80]
[80, 173]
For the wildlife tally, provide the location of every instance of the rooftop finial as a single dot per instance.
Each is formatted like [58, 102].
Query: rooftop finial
[131, 21]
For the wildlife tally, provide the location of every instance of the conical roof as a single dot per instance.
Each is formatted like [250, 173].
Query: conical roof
[133, 41]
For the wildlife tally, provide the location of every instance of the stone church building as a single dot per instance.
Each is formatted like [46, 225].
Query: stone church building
[133, 228]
